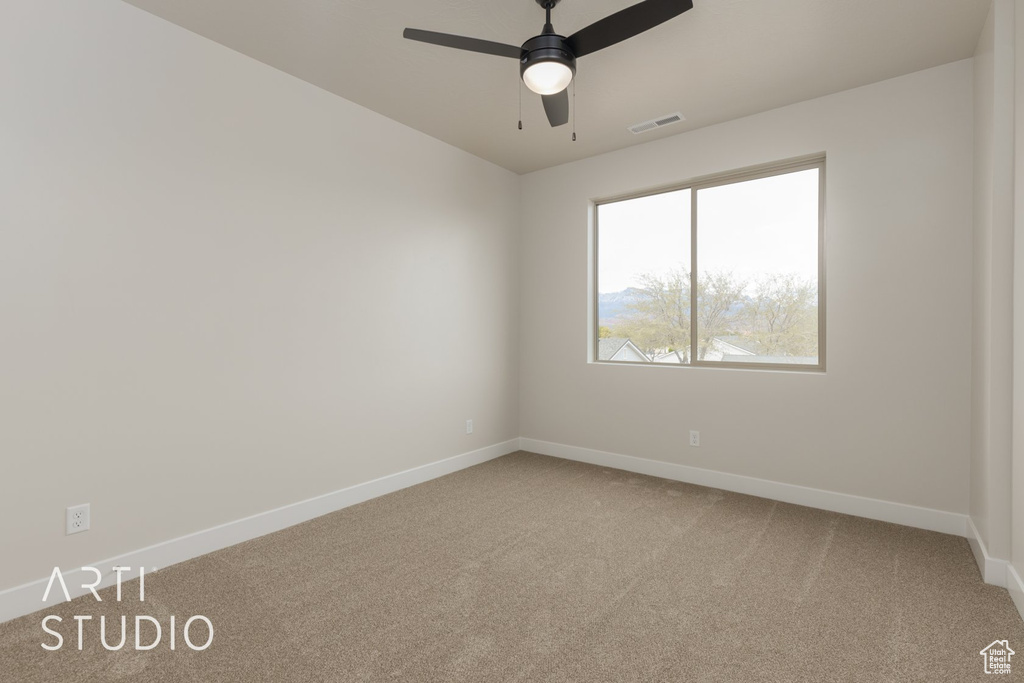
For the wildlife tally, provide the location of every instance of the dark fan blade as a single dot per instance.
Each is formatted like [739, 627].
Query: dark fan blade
[625, 24]
[557, 108]
[462, 43]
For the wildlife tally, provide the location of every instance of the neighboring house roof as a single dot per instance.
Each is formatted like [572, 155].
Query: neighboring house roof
[744, 345]
[610, 347]
[670, 357]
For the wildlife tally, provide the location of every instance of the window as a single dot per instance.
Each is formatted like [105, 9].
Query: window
[748, 243]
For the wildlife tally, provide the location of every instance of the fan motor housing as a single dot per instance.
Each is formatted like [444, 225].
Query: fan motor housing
[546, 48]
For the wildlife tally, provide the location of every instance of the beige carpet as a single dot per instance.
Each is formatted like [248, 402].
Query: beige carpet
[530, 568]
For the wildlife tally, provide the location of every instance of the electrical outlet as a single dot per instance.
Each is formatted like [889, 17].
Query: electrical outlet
[77, 519]
[694, 437]
[469, 426]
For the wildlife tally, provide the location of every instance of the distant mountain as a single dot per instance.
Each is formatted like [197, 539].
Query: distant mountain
[612, 306]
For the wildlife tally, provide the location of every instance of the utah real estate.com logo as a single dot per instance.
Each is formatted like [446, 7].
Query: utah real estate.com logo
[997, 657]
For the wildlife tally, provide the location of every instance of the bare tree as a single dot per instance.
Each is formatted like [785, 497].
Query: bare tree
[718, 297]
[783, 316]
[659, 318]
[779, 313]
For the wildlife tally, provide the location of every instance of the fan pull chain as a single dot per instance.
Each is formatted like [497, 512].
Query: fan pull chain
[520, 82]
[574, 110]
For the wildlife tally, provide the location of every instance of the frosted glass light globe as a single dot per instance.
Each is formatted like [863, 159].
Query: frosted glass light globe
[547, 78]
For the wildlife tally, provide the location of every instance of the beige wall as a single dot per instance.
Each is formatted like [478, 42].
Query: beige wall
[891, 417]
[1017, 519]
[993, 276]
[223, 290]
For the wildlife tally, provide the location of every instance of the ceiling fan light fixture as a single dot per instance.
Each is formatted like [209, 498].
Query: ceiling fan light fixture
[547, 77]
[547, 63]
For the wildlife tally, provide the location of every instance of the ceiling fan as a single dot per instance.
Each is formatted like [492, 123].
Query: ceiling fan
[547, 62]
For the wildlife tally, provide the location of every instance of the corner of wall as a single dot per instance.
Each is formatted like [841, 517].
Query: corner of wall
[992, 386]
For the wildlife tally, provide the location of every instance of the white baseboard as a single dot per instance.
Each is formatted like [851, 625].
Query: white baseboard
[993, 570]
[27, 598]
[897, 513]
[1016, 588]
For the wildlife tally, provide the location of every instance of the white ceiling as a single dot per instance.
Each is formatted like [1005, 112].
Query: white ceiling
[722, 60]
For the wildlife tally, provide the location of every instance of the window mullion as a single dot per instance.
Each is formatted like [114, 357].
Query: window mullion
[693, 275]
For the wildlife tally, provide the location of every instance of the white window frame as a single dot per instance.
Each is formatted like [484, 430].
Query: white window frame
[751, 173]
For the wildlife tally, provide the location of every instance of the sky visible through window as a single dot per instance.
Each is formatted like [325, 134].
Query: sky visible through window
[744, 228]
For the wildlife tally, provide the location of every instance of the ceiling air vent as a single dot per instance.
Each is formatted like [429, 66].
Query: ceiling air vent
[656, 123]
